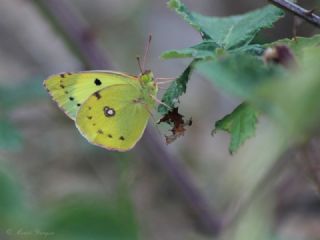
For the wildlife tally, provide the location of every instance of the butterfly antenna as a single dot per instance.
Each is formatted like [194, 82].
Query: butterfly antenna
[160, 81]
[162, 88]
[139, 64]
[146, 51]
[165, 79]
[159, 102]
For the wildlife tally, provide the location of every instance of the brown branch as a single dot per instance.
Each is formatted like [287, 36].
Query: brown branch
[75, 30]
[297, 10]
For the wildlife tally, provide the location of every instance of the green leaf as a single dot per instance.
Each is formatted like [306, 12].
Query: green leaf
[14, 213]
[238, 74]
[206, 49]
[297, 44]
[10, 197]
[251, 49]
[82, 219]
[209, 50]
[241, 124]
[229, 32]
[10, 137]
[175, 90]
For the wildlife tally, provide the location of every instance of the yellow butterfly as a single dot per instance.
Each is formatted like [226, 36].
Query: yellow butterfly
[110, 109]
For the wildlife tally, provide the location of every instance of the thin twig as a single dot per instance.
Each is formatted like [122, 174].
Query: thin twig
[310, 157]
[307, 15]
[75, 29]
[261, 187]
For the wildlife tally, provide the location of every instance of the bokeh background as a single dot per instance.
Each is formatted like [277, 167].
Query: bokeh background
[54, 185]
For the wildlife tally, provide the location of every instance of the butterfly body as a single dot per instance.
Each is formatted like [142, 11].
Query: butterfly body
[110, 109]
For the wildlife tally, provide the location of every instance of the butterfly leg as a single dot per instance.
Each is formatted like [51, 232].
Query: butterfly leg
[160, 102]
[153, 119]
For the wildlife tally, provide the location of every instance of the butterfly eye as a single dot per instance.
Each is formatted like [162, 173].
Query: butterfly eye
[109, 112]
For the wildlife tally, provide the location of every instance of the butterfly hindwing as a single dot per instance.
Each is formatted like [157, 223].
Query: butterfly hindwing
[113, 117]
[70, 90]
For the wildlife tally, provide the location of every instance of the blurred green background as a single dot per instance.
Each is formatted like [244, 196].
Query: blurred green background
[55, 185]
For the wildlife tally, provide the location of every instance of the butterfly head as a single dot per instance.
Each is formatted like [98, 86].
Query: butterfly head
[147, 79]
[146, 76]
[148, 85]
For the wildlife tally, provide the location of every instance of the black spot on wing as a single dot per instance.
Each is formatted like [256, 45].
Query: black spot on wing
[121, 138]
[71, 98]
[62, 75]
[100, 131]
[109, 136]
[97, 94]
[97, 82]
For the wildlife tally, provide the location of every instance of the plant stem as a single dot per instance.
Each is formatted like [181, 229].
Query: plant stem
[307, 15]
[75, 29]
[310, 157]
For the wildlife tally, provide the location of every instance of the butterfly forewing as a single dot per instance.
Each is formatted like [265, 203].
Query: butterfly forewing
[113, 117]
[70, 90]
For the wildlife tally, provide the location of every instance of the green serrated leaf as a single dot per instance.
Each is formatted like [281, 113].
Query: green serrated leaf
[251, 49]
[10, 137]
[229, 32]
[238, 74]
[241, 124]
[297, 44]
[209, 50]
[206, 49]
[176, 89]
